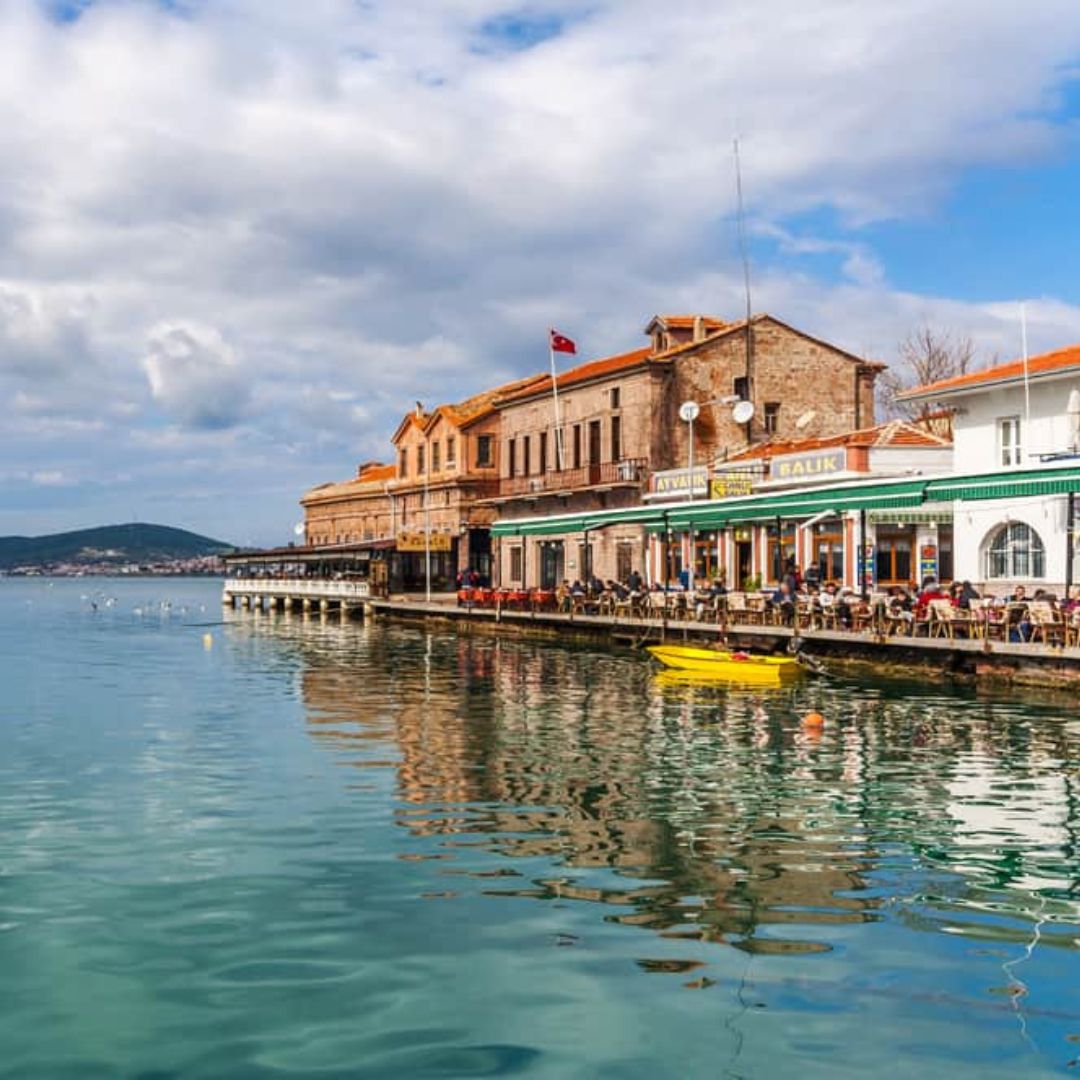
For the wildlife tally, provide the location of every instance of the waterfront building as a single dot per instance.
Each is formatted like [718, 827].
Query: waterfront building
[1014, 419]
[426, 504]
[618, 441]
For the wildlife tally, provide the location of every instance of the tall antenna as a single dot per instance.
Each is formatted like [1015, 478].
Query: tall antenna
[741, 219]
[1027, 389]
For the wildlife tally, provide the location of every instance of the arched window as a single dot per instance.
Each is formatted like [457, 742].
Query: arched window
[1016, 552]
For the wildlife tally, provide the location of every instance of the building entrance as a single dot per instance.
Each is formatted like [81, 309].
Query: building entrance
[552, 562]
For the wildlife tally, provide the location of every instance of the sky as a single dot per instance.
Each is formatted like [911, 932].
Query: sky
[240, 238]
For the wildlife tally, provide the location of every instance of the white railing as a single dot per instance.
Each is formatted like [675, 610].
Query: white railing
[298, 587]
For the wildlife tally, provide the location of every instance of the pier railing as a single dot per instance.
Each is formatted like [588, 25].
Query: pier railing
[298, 588]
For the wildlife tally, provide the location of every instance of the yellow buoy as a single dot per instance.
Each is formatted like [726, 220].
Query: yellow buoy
[208, 641]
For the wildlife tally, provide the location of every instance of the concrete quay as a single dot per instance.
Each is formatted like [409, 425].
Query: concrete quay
[964, 659]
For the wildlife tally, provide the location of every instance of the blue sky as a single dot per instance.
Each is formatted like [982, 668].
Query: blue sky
[241, 237]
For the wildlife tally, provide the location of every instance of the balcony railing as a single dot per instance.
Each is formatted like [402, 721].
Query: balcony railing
[630, 472]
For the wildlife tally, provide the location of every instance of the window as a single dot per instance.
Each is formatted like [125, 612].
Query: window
[577, 446]
[1016, 552]
[515, 564]
[451, 451]
[511, 457]
[1009, 440]
[435, 465]
[772, 417]
[543, 451]
[614, 397]
[741, 388]
[403, 463]
[526, 455]
[624, 561]
[616, 439]
[419, 460]
[483, 452]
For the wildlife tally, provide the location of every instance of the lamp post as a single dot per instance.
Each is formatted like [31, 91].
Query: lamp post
[427, 535]
[688, 412]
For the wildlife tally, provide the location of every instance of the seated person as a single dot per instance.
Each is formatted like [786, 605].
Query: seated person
[784, 600]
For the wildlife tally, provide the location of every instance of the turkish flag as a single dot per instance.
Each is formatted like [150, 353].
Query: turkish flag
[561, 343]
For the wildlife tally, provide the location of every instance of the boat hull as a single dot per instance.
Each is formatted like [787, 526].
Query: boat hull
[732, 666]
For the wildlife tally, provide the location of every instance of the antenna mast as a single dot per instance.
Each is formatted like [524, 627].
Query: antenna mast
[741, 220]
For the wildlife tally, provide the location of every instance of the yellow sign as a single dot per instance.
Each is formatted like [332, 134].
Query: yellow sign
[416, 541]
[731, 485]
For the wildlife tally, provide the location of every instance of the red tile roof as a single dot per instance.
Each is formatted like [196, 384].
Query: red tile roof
[594, 369]
[374, 473]
[686, 322]
[892, 433]
[1050, 363]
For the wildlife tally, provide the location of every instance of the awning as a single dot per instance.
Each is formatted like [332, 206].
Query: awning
[1012, 485]
[938, 515]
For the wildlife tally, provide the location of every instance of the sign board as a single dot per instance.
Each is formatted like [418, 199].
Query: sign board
[730, 485]
[675, 483]
[415, 541]
[866, 566]
[816, 465]
[928, 562]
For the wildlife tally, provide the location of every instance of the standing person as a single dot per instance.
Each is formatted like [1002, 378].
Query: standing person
[634, 581]
[812, 575]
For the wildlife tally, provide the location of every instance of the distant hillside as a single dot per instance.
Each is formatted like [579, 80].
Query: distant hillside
[136, 543]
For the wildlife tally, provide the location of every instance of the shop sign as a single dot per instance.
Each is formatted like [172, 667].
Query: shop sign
[812, 466]
[743, 535]
[866, 566]
[730, 485]
[675, 483]
[928, 561]
[417, 541]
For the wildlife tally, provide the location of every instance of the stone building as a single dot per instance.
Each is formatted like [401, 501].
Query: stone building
[623, 442]
[426, 503]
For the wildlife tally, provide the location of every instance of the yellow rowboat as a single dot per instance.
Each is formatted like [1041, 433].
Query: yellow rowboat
[734, 666]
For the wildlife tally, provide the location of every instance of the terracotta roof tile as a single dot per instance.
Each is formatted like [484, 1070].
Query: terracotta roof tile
[374, 473]
[1044, 364]
[594, 369]
[686, 322]
[892, 433]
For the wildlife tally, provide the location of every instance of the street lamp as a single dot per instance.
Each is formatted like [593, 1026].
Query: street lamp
[689, 411]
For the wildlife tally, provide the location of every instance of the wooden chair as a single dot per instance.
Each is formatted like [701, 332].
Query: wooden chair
[898, 622]
[944, 619]
[1072, 630]
[735, 607]
[806, 616]
[1046, 623]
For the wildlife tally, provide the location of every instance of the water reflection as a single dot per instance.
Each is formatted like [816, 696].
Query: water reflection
[705, 814]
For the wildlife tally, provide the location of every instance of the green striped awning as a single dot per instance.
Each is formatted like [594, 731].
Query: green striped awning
[1012, 485]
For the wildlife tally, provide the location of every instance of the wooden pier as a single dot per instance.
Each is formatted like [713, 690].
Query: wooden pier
[1030, 664]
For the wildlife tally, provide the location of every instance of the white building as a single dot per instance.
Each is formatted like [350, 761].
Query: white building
[1014, 418]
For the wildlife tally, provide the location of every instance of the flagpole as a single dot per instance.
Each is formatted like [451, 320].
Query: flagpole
[555, 398]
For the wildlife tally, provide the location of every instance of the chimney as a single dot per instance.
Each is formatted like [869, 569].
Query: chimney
[699, 328]
[419, 409]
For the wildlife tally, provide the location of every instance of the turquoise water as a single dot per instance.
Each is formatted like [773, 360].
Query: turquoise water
[305, 849]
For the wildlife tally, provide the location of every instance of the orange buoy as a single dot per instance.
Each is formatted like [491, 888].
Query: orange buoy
[813, 720]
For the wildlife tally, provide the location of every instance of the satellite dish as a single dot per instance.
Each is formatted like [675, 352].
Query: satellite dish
[298, 529]
[743, 412]
[688, 411]
[805, 419]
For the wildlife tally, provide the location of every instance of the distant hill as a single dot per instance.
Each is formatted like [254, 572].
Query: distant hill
[134, 543]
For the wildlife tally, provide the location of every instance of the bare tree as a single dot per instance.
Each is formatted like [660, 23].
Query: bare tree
[926, 355]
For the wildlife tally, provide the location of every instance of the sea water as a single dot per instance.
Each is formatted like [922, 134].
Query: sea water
[271, 845]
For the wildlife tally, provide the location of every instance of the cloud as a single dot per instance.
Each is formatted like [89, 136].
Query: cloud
[195, 375]
[276, 225]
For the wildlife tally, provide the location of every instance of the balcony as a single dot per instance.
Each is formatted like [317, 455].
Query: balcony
[630, 472]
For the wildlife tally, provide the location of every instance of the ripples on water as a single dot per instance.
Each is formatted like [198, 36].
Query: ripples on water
[315, 849]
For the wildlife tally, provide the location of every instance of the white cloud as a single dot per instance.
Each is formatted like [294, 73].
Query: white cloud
[195, 375]
[317, 213]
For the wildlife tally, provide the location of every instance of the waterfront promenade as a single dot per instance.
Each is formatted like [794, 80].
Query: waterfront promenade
[976, 655]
